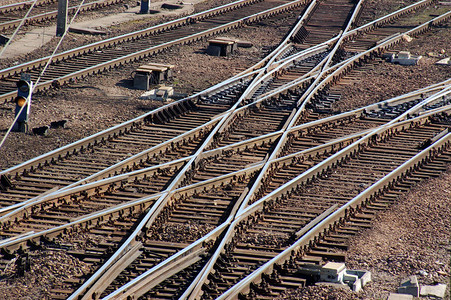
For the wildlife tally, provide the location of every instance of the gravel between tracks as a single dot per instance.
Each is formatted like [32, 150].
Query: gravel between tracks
[107, 100]
[412, 237]
[390, 80]
[46, 269]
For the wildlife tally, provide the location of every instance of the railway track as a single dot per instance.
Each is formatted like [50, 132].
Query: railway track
[154, 240]
[164, 293]
[188, 207]
[11, 15]
[221, 161]
[144, 142]
[259, 234]
[100, 56]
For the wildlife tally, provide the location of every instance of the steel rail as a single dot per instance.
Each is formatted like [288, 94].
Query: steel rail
[150, 275]
[118, 129]
[338, 44]
[89, 186]
[291, 123]
[23, 5]
[264, 75]
[88, 141]
[272, 71]
[194, 289]
[138, 157]
[257, 206]
[335, 218]
[369, 26]
[193, 188]
[397, 123]
[157, 274]
[132, 160]
[93, 219]
[338, 73]
[365, 28]
[99, 217]
[85, 290]
[121, 166]
[436, 89]
[151, 216]
[78, 146]
[173, 24]
[52, 198]
[145, 52]
[389, 17]
[311, 173]
[269, 60]
[127, 37]
[53, 14]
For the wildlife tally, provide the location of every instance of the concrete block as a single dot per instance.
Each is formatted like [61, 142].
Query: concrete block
[394, 296]
[404, 58]
[362, 278]
[433, 290]
[409, 286]
[333, 272]
[141, 81]
[226, 47]
[445, 61]
[214, 50]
